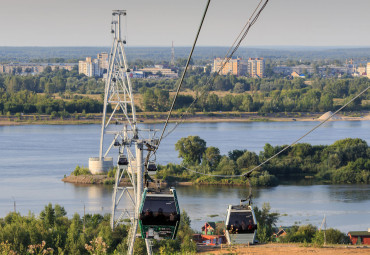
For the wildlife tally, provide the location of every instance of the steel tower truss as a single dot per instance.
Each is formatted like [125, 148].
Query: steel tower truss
[118, 94]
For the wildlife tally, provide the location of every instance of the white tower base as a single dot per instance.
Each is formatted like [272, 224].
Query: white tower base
[98, 166]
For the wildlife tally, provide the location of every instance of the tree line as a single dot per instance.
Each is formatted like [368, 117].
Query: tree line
[345, 161]
[59, 80]
[52, 232]
[260, 95]
[31, 102]
[242, 94]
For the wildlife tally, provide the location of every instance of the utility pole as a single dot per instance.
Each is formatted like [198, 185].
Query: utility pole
[127, 136]
[323, 224]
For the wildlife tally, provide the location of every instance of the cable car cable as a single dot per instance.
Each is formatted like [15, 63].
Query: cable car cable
[227, 58]
[183, 76]
[248, 174]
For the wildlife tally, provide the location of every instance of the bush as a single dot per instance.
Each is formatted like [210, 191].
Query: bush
[333, 236]
[81, 171]
[112, 172]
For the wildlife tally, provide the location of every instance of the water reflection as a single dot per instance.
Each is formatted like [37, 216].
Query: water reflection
[349, 194]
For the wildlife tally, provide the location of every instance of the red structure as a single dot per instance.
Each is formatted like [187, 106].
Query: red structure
[359, 237]
[212, 234]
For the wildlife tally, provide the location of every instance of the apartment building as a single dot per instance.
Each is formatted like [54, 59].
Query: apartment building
[90, 67]
[235, 66]
[256, 67]
[32, 68]
[103, 60]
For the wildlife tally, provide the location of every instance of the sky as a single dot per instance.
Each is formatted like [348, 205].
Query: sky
[159, 22]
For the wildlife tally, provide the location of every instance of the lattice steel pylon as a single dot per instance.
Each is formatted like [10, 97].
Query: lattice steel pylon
[118, 94]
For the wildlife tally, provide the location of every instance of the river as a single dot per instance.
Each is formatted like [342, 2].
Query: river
[34, 158]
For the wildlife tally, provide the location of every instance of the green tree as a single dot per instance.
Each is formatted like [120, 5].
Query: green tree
[266, 221]
[248, 159]
[191, 149]
[212, 156]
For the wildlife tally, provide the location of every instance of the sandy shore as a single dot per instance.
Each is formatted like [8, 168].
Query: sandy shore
[198, 117]
[284, 249]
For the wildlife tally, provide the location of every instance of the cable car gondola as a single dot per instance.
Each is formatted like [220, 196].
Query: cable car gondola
[152, 168]
[241, 224]
[159, 214]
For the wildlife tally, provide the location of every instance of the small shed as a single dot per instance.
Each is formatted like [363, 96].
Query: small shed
[359, 237]
[209, 228]
[213, 228]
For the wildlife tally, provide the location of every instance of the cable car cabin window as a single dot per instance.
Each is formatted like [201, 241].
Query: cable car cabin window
[241, 222]
[159, 211]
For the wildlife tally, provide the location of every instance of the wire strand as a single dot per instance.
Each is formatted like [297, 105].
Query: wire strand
[182, 77]
[243, 33]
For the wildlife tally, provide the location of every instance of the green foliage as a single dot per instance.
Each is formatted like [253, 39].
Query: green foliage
[332, 236]
[81, 171]
[112, 172]
[346, 161]
[183, 242]
[29, 102]
[53, 233]
[300, 234]
[191, 149]
[212, 156]
[266, 221]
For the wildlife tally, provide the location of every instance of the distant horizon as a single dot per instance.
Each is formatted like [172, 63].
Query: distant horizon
[200, 46]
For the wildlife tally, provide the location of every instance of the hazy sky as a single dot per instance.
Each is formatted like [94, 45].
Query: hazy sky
[158, 22]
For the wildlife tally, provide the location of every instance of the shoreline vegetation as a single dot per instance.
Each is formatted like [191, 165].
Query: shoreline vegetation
[53, 232]
[198, 117]
[345, 161]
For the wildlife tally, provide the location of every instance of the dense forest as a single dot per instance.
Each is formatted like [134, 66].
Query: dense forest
[345, 161]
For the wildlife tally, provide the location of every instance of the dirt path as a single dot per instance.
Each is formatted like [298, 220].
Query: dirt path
[284, 249]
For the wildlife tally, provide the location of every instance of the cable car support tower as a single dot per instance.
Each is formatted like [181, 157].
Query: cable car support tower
[120, 123]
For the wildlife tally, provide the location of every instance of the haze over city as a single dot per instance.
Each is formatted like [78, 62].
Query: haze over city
[158, 23]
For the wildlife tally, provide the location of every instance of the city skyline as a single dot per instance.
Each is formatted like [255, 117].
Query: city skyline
[158, 23]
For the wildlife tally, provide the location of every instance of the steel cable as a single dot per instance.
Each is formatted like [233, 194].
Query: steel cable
[182, 77]
[227, 58]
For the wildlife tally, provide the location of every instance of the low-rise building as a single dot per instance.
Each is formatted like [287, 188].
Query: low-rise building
[33, 68]
[158, 70]
[359, 237]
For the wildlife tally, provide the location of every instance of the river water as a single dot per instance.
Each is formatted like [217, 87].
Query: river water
[33, 159]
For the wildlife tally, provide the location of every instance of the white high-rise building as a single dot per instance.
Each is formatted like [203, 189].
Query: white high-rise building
[89, 67]
[103, 60]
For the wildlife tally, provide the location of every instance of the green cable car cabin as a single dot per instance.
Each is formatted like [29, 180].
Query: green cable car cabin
[159, 214]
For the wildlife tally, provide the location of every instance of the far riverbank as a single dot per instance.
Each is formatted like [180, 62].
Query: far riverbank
[198, 117]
